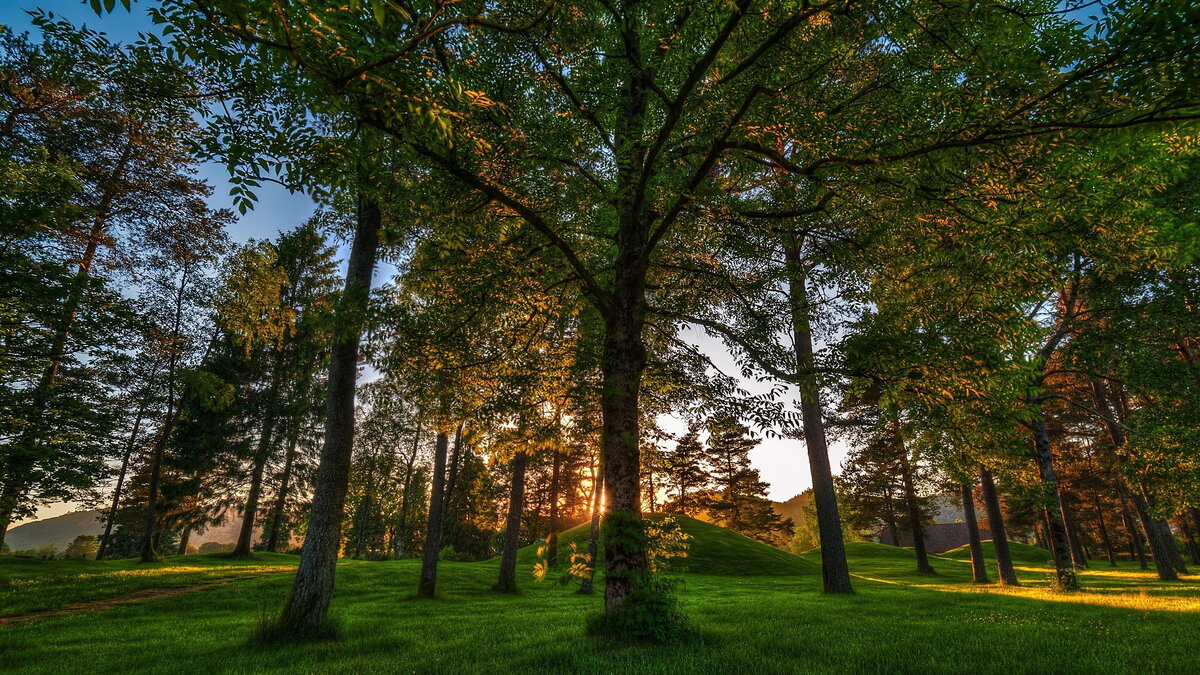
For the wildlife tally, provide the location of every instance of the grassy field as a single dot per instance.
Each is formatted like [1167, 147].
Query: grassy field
[744, 619]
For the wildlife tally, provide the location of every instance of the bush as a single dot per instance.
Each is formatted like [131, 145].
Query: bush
[84, 546]
[651, 613]
[217, 547]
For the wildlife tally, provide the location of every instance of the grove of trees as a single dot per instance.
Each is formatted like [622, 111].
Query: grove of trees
[958, 238]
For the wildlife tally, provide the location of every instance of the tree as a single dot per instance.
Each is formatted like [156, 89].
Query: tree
[686, 472]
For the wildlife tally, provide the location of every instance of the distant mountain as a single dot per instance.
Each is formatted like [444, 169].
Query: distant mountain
[62, 530]
[794, 507]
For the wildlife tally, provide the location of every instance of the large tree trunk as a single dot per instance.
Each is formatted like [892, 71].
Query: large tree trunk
[624, 359]
[1056, 531]
[512, 527]
[116, 500]
[433, 529]
[991, 500]
[552, 540]
[307, 607]
[835, 571]
[281, 498]
[914, 509]
[594, 532]
[1105, 541]
[978, 565]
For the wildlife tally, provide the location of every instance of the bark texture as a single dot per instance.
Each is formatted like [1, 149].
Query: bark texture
[307, 607]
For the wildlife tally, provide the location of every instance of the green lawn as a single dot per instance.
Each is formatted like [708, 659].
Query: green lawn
[898, 621]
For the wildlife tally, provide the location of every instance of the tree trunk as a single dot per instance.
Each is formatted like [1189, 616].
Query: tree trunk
[978, 565]
[914, 509]
[281, 498]
[1164, 560]
[512, 528]
[183, 540]
[594, 532]
[1193, 551]
[1136, 550]
[433, 530]
[1105, 541]
[626, 562]
[1077, 556]
[21, 460]
[1056, 532]
[890, 514]
[116, 500]
[402, 524]
[245, 542]
[991, 500]
[552, 539]
[835, 571]
[307, 607]
[364, 517]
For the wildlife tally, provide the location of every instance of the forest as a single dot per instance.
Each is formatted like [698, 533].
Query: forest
[570, 278]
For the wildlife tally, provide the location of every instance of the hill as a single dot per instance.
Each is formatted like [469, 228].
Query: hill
[1022, 554]
[794, 507]
[714, 550]
[60, 531]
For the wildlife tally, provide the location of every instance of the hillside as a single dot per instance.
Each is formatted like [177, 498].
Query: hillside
[62, 530]
[1022, 554]
[794, 507]
[714, 550]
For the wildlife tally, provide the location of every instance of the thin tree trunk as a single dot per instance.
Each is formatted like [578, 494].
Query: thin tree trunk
[835, 571]
[1056, 531]
[512, 529]
[1136, 550]
[281, 498]
[552, 539]
[991, 499]
[245, 541]
[1164, 561]
[890, 511]
[1077, 556]
[183, 540]
[978, 565]
[914, 509]
[1193, 551]
[21, 458]
[594, 532]
[402, 525]
[1105, 541]
[307, 607]
[433, 530]
[363, 518]
[116, 500]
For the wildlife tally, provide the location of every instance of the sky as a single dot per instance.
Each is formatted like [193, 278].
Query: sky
[781, 462]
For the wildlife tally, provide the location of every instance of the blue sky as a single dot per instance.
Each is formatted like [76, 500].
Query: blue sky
[277, 209]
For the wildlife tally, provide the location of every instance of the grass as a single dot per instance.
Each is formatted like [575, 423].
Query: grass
[28, 585]
[898, 621]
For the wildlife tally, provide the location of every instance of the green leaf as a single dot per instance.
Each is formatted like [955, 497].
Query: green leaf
[378, 9]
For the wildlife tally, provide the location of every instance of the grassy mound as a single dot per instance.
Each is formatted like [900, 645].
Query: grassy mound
[714, 550]
[1022, 554]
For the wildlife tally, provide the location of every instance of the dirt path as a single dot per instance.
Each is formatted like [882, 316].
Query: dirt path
[105, 604]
